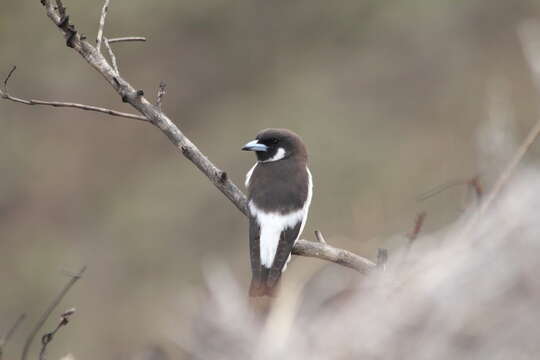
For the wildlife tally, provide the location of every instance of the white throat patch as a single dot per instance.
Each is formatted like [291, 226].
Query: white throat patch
[280, 154]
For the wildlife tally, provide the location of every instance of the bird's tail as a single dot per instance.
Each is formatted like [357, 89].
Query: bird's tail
[265, 284]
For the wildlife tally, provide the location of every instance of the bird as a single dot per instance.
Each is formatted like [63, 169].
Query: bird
[280, 188]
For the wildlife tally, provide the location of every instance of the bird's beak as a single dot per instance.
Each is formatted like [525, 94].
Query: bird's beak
[255, 146]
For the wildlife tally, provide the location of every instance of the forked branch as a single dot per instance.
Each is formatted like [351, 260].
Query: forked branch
[157, 117]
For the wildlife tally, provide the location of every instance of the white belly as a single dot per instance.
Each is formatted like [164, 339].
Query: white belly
[272, 224]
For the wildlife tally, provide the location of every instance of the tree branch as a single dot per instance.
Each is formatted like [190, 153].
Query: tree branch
[127, 39]
[49, 310]
[5, 95]
[112, 56]
[104, 12]
[5, 338]
[158, 118]
[48, 337]
[330, 253]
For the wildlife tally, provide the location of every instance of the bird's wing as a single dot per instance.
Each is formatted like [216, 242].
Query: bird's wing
[264, 280]
[258, 273]
[286, 242]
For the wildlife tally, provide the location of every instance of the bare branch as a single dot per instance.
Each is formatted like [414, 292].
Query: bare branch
[49, 310]
[6, 80]
[127, 39]
[320, 237]
[155, 116]
[104, 12]
[418, 223]
[74, 105]
[161, 92]
[5, 95]
[112, 56]
[528, 34]
[440, 188]
[48, 337]
[5, 338]
[330, 253]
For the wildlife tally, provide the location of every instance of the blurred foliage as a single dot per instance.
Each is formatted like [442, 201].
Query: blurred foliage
[388, 95]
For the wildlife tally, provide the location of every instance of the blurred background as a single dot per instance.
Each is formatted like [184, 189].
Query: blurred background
[393, 99]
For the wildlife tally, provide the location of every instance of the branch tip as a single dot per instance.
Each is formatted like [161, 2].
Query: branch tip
[418, 224]
[127, 39]
[6, 80]
[320, 237]
[99, 38]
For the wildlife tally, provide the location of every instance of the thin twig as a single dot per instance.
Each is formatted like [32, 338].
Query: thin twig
[74, 105]
[127, 39]
[104, 11]
[6, 80]
[48, 312]
[330, 253]
[511, 167]
[154, 115]
[418, 223]
[439, 189]
[112, 56]
[5, 95]
[162, 90]
[320, 237]
[5, 338]
[48, 337]
[528, 33]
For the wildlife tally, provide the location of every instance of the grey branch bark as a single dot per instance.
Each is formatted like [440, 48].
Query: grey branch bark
[127, 39]
[339, 256]
[158, 118]
[7, 336]
[7, 96]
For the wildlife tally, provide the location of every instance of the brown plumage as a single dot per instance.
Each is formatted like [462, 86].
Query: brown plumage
[279, 194]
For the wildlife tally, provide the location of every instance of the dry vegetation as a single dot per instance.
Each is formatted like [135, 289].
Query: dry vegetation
[465, 290]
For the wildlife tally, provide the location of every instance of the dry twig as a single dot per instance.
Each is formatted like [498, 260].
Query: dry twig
[330, 253]
[126, 39]
[104, 12]
[5, 95]
[528, 34]
[5, 338]
[48, 337]
[154, 115]
[418, 223]
[162, 90]
[49, 310]
[111, 55]
[320, 237]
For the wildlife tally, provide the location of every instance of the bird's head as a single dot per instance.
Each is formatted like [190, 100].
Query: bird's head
[276, 144]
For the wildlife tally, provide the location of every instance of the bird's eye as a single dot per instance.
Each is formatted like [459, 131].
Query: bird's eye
[274, 141]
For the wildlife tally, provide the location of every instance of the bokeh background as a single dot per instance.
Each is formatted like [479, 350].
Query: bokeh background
[393, 98]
